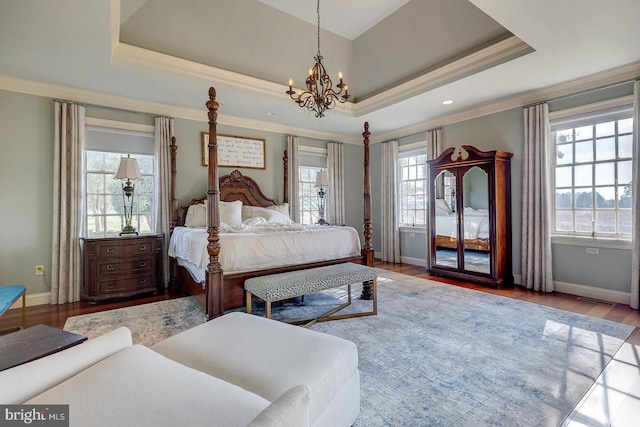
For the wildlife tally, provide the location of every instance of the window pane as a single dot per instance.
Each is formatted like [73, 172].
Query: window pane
[624, 221]
[584, 175]
[564, 154]
[584, 199]
[624, 196]
[605, 173]
[625, 146]
[564, 136]
[564, 220]
[584, 221]
[584, 132]
[605, 197]
[95, 183]
[563, 177]
[625, 126]
[95, 161]
[624, 172]
[584, 152]
[563, 199]
[605, 129]
[606, 149]
[605, 221]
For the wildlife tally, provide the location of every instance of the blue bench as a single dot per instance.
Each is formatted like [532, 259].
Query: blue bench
[9, 295]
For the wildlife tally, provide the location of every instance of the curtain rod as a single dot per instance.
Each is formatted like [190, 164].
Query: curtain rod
[84, 104]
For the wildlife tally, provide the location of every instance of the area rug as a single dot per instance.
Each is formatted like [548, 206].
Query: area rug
[149, 323]
[440, 355]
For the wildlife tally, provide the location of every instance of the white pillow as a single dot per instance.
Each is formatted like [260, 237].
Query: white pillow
[442, 204]
[196, 216]
[231, 213]
[283, 209]
[271, 215]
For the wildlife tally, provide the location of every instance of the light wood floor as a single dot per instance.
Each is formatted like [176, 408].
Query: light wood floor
[613, 401]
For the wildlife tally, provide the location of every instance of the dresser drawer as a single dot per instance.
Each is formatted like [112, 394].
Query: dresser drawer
[118, 249]
[123, 286]
[134, 266]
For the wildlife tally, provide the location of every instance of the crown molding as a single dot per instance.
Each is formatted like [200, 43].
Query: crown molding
[600, 80]
[472, 63]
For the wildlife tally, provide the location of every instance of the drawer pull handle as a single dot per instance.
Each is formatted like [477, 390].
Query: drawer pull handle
[111, 285]
[111, 267]
[142, 281]
[111, 249]
[142, 264]
[142, 248]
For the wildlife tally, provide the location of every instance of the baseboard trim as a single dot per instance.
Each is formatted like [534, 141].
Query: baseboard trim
[33, 299]
[413, 261]
[592, 292]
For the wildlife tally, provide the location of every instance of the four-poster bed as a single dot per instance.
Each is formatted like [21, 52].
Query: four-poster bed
[220, 291]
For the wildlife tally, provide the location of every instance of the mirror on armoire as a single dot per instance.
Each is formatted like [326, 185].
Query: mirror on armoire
[446, 220]
[475, 226]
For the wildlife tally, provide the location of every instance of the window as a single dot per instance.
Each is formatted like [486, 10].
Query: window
[412, 170]
[311, 162]
[104, 203]
[591, 178]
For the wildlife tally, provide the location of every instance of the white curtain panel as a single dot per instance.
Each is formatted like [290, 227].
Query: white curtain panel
[389, 216]
[69, 139]
[163, 134]
[293, 187]
[536, 232]
[434, 147]
[335, 165]
[635, 256]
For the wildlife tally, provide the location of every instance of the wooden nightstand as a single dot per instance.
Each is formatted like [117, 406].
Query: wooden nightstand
[117, 267]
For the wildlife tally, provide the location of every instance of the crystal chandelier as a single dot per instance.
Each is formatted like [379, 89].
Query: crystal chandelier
[319, 96]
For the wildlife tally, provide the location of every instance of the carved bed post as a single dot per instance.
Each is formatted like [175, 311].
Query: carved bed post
[214, 270]
[285, 160]
[367, 249]
[173, 221]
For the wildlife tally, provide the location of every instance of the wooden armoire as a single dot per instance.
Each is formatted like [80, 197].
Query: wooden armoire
[470, 216]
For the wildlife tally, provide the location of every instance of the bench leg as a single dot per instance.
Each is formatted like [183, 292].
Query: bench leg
[24, 310]
[267, 309]
[248, 299]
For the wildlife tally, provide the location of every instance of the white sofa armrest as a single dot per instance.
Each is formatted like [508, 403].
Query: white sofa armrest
[291, 409]
[22, 382]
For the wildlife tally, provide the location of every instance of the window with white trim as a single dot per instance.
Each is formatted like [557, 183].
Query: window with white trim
[412, 194]
[310, 163]
[104, 203]
[591, 174]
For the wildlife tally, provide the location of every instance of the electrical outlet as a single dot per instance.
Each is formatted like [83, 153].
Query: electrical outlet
[593, 251]
[39, 270]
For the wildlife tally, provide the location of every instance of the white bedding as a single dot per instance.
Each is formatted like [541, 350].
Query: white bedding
[258, 244]
[476, 224]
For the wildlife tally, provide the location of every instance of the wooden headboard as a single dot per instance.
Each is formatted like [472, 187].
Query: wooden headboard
[235, 186]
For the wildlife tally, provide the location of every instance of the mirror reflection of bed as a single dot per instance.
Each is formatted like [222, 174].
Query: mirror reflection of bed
[470, 219]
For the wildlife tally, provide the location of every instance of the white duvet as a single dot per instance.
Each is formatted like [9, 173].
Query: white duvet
[259, 244]
[476, 224]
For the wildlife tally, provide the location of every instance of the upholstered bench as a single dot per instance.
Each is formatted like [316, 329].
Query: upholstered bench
[281, 286]
[9, 295]
[268, 357]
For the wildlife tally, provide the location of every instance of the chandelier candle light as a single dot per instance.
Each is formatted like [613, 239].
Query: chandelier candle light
[322, 182]
[319, 95]
[128, 170]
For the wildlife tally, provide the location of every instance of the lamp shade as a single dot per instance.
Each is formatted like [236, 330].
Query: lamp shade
[128, 169]
[322, 179]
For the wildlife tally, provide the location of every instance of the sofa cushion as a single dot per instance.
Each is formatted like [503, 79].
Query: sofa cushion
[22, 382]
[139, 387]
[267, 357]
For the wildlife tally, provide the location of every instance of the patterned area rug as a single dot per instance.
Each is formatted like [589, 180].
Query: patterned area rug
[439, 355]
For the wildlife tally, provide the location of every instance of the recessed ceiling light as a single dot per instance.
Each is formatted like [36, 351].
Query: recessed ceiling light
[447, 102]
[271, 113]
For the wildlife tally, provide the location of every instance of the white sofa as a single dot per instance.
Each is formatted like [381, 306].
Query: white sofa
[236, 370]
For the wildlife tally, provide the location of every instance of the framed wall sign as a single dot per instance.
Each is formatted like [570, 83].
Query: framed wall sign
[236, 151]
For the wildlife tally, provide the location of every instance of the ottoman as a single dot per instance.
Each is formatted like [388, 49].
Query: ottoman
[268, 357]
